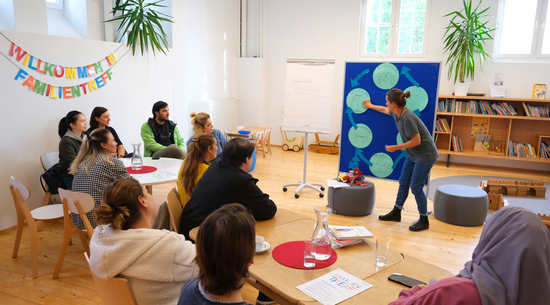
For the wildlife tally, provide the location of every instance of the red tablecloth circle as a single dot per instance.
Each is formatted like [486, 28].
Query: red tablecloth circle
[145, 170]
[291, 254]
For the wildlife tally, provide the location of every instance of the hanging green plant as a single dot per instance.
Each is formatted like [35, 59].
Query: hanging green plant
[142, 24]
[464, 40]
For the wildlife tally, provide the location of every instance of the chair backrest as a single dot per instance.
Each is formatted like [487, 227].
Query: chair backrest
[20, 192]
[174, 209]
[267, 135]
[259, 136]
[240, 127]
[112, 291]
[50, 159]
[79, 203]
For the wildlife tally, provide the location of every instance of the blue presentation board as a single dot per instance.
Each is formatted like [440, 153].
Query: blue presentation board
[366, 132]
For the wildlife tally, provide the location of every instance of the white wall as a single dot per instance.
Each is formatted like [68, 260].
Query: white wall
[75, 12]
[330, 29]
[30, 16]
[7, 20]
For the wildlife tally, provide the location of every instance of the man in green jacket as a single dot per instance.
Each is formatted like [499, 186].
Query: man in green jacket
[160, 136]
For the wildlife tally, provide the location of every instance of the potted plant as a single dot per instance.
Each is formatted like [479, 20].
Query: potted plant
[464, 40]
[142, 24]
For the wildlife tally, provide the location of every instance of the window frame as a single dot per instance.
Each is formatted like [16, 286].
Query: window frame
[394, 33]
[539, 27]
[58, 5]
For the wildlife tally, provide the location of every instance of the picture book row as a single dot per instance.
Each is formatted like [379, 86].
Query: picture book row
[442, 125]
[476, 107]
[456, 143]
[521, 150]
[544, 150]
[532, 111]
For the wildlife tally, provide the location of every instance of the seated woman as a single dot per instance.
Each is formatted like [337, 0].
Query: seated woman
[94, 168]
[227, 181]
[156, 263]
[225, 249]
[510, 265]
[100, 118]
[199, 153]
[71, 130]
[202, 123]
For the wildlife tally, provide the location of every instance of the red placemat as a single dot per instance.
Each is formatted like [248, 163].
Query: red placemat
[145, 170]
[291, 254]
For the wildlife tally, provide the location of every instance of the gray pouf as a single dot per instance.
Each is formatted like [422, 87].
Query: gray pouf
[352, 201]
[461, 205]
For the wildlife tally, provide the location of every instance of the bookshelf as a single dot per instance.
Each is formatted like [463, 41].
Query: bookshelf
[503, 125]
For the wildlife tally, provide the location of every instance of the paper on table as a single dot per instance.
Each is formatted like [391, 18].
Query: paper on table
[334, 287]
[336, 184]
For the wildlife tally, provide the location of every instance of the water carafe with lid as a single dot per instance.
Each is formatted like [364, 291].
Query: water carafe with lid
[321, 236]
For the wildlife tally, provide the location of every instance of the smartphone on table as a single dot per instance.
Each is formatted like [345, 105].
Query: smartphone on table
[404, 280]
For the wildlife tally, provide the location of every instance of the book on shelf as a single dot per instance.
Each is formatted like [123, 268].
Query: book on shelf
[476, 107]
[521, 150]
[456, 143]
[346, 233]
[539, 91]
[544, 150]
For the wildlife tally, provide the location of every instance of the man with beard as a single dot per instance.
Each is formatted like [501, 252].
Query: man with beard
[160, 136]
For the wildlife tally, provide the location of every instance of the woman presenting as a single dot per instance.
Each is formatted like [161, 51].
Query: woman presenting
[421, 156]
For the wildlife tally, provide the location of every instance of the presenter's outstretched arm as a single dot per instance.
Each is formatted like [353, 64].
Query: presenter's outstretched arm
[367, 104]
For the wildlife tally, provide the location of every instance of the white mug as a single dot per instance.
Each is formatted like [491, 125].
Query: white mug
[259, 242]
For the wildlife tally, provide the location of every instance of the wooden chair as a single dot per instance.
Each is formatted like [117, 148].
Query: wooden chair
[267, 140]
[113, 291]
[20, 193]
[174, 209]
[48, 160]
[77, 203]
[258, 141]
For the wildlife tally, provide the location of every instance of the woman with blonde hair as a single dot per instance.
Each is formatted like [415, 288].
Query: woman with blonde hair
[202, 123]
[200, 152]
[156, 263]
[94, 168]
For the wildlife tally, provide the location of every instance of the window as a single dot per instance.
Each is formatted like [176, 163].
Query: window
[393, 28]
[521, 35]
[57, 4]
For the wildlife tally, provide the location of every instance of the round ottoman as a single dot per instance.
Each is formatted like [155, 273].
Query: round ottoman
[461, 205]
[352, 201]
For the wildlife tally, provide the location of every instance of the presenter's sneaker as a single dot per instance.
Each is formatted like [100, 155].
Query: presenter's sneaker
[394, 215]
[421, 224]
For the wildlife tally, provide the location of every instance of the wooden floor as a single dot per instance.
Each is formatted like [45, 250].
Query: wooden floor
[443, 245]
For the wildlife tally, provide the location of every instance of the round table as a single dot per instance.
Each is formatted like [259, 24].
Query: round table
[167, 171]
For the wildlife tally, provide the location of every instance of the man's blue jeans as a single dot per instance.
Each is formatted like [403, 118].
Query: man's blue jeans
[413, 175]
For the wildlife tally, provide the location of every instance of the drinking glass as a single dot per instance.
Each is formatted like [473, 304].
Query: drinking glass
[309, 253]
[382, 246]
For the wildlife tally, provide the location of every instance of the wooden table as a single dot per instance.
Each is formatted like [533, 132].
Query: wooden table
[279, 282]
[253, 131]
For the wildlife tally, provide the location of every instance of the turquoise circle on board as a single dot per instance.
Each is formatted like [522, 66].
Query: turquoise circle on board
[399, 140]
[385, 76]
[361, 137]
[418, 99]
[355, 99]
[381, 165]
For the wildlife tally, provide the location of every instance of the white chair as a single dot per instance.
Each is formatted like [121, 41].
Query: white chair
[267, 140]
[113, 291]
[48, 160]
[21, 193]
[258, 141]
[76, 203]
[240, 127]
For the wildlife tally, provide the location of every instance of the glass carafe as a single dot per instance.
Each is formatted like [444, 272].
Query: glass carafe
[137, 160]
[321, 236]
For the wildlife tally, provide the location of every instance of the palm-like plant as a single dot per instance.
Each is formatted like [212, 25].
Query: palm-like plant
[465, 38]
[142, 24]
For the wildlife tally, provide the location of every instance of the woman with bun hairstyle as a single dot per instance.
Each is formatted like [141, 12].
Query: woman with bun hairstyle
[101, 118]
[71, 130]
[200, 151]
[202, 123]
[156, 263]
[421, 156]
[225, 250]
[94, 168]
